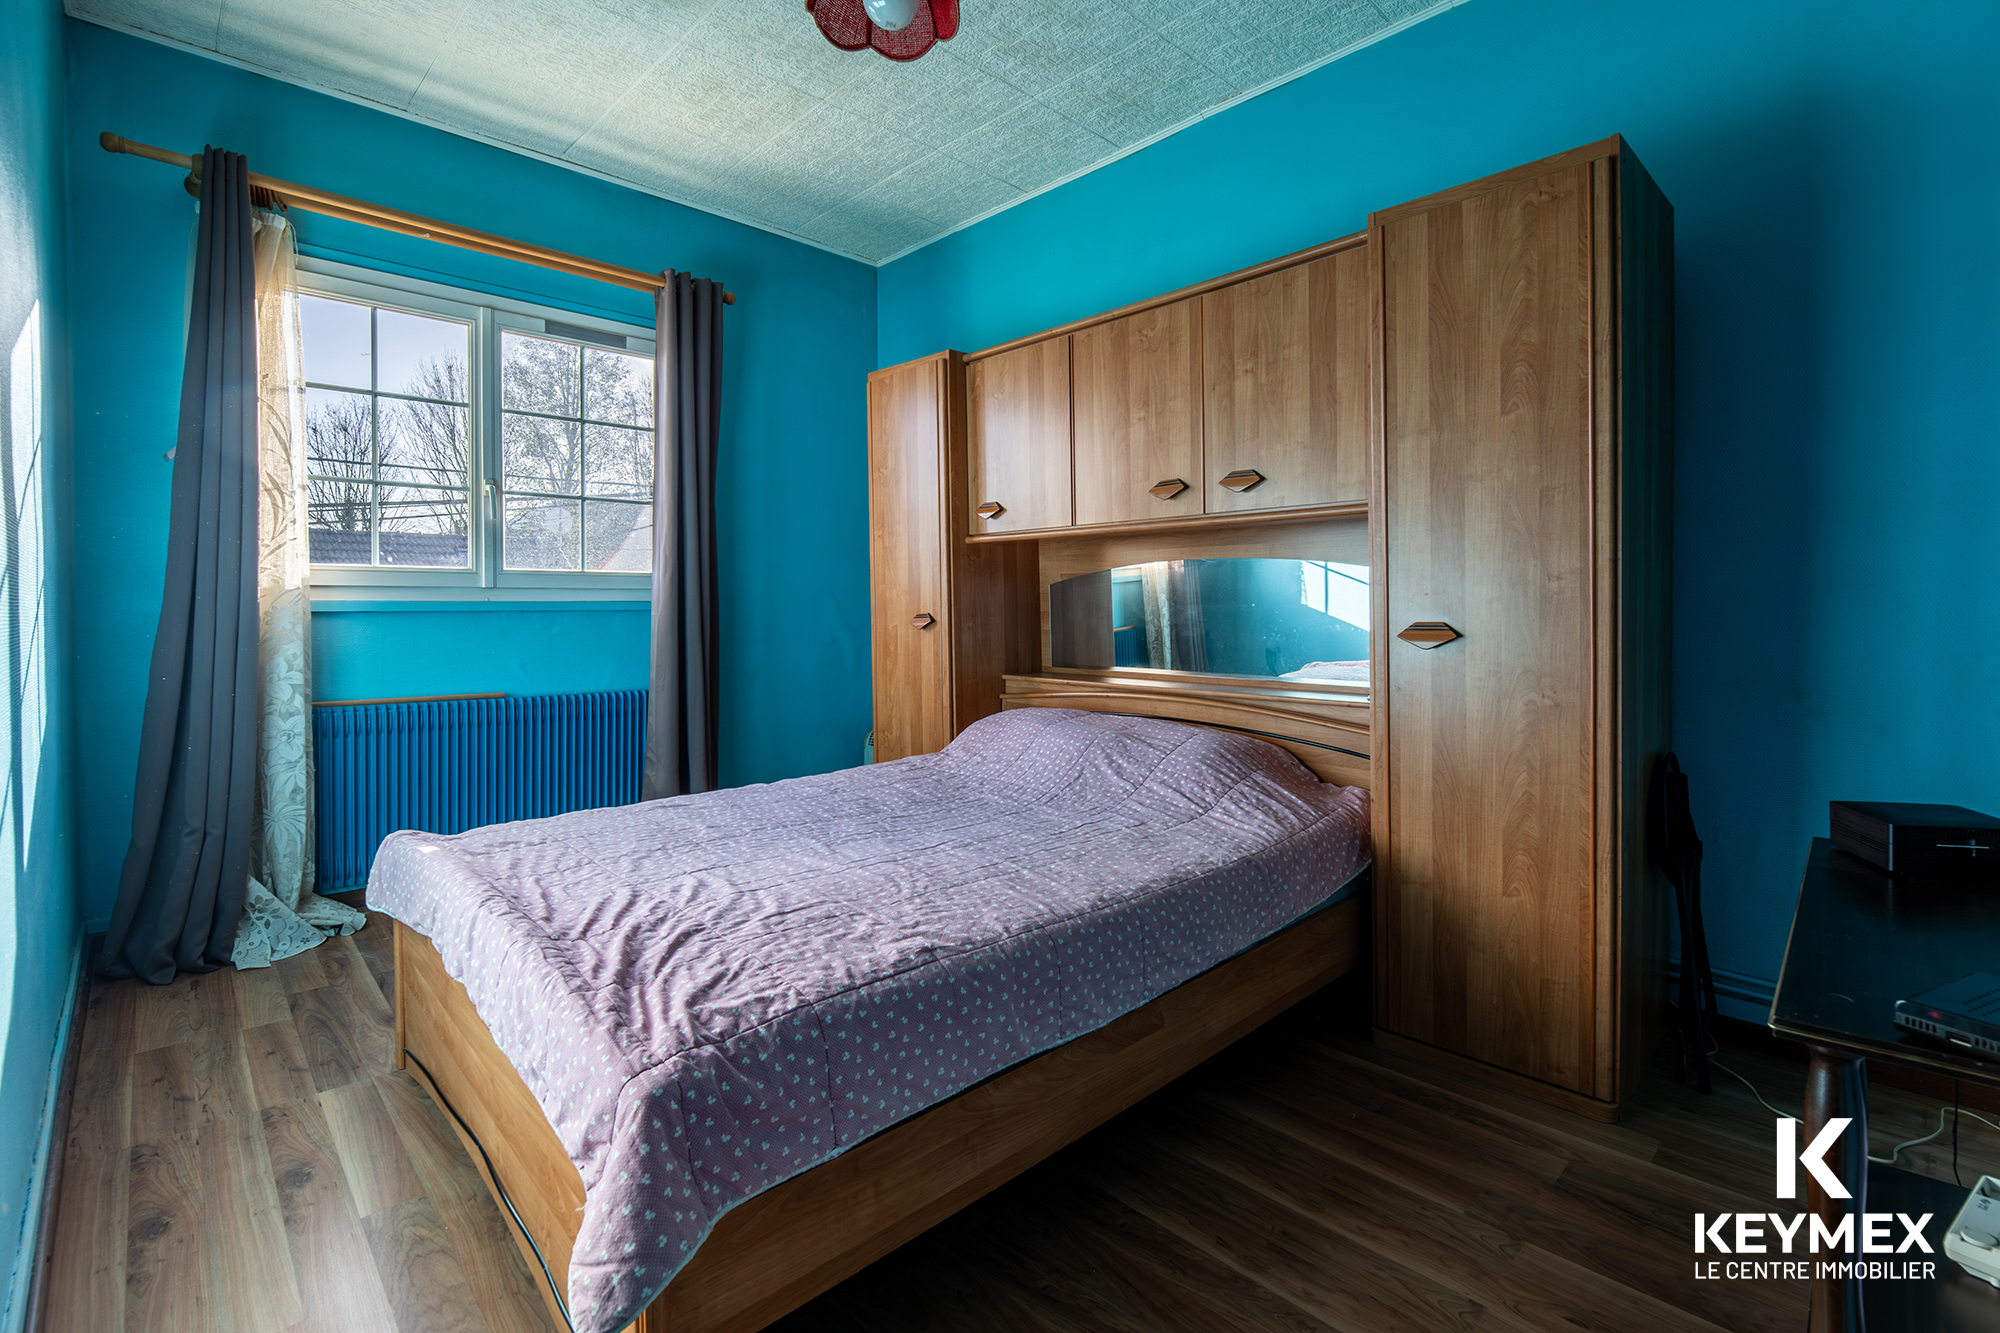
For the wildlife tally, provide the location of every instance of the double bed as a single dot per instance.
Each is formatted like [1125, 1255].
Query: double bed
[717, 1053]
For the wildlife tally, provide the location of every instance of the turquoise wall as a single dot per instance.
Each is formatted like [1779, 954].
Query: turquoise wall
[39, 923]
[1834, 175]
[792, 488]
[386, 650]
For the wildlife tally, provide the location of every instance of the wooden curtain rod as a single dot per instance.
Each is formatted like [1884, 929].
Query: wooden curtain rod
[406, 699]
[294, 195]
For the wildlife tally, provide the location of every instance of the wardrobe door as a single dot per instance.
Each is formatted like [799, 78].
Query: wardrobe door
[1020, 438]
[1286, 380]
[1489, 920]
[1137, 384]
[907, 580]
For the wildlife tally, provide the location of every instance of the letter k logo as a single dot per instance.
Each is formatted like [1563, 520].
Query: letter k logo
[1813, 1158]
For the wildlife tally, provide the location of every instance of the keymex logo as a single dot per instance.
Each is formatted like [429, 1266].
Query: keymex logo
[1829, 1251]
[1813, 1159]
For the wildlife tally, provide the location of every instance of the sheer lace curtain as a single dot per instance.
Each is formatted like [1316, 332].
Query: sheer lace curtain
[283, 916]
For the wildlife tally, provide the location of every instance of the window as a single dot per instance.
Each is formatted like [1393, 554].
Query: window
[458, 441]
[388, 470]
[576, 432]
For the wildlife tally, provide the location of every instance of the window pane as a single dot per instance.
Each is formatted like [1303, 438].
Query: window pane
[618, 462]
[543, 534]
[537, 454]
[537, 375]
[423, 527]
[421, 355]
[338, 433]
[335, 334]
[337, 522]
[423, 442]
[618, 386]
[617, 536]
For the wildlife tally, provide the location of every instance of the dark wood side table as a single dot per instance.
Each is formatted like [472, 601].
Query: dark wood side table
[1862, 940]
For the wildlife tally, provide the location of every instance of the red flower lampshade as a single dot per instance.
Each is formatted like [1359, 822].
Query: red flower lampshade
[898, 29]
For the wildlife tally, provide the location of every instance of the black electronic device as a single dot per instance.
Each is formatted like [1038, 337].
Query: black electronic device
[1965, 1014]
[1918, 839]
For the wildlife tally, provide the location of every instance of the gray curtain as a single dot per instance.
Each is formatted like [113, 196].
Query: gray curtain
[682, 710]
[187, 870]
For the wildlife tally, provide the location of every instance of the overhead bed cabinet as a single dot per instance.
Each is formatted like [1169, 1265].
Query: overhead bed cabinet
[947, 620]
[1018, 405]
[1522, 523]
[1245, 396]
[1286, 379]
[1137, 387]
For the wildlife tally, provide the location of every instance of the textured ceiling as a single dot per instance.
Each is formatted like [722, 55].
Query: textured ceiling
[741, 108]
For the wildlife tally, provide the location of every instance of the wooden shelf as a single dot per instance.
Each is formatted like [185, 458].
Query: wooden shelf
[1190, 523]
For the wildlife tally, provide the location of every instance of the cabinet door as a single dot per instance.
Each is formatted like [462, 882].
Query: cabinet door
[906, 559]
[1138, 415]
[1489, 920]
[1285, 360]
[1020, 437]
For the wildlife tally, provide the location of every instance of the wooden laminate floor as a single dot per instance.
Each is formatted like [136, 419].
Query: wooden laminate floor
[241, 1157]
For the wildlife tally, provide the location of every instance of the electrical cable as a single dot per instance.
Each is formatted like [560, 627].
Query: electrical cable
[1954, 1109]
[501, 1190]
[1956, 1112]
[1897, 1151]
[1714, 1063]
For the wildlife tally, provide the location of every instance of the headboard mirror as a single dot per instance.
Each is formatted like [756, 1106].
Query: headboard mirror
[1270, 599]
[1258, 617]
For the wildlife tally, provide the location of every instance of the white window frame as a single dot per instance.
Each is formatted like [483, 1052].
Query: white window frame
[488, 317]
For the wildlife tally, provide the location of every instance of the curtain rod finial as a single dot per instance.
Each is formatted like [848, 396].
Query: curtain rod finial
[667, 274]
[111, 143]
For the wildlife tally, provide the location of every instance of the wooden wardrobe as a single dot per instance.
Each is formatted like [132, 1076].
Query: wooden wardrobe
[947, 620]
[1487, 373]
[1523, 495]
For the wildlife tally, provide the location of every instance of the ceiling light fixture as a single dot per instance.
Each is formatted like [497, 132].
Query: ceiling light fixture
[898, 29]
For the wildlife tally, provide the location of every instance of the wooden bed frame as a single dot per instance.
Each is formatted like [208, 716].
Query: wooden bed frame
[774, 1252]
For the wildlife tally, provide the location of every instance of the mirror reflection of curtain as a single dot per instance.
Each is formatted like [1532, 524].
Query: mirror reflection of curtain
[282, 916]
[1189, 640]
[1175, 637]
[1159, 615]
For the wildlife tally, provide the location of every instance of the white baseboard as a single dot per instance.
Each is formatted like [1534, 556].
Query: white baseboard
[28, 1252]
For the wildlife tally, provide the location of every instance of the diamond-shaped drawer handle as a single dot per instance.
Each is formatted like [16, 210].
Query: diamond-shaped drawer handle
[1429, 634]
[991, 509]
[1168, 489]
[1242, 479]
[922, 620]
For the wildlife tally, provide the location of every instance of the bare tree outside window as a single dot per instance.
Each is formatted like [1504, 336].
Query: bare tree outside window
[340, 443]
[387, 436]
[577, 456]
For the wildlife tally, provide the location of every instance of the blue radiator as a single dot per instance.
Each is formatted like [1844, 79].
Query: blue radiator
[451, 765]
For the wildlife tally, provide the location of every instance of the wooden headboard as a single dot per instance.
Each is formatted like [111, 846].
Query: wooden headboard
[1327, 735]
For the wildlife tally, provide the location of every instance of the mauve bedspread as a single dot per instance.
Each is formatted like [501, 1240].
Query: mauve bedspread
[710, 994]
